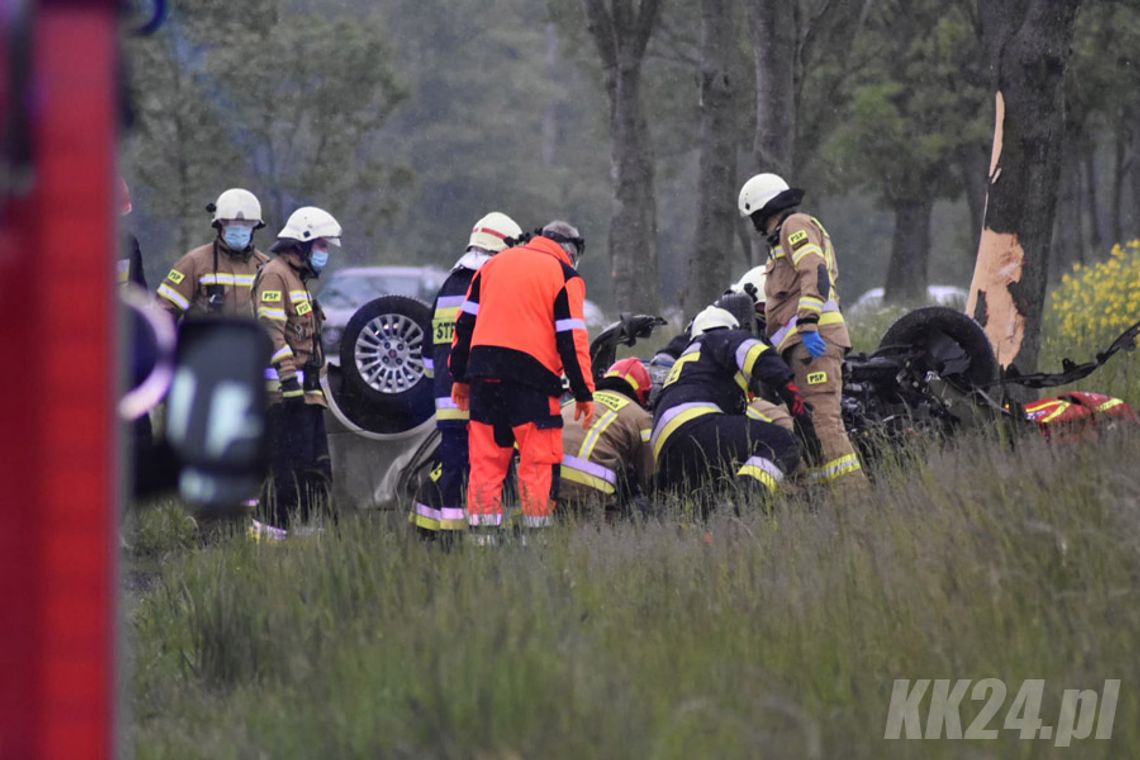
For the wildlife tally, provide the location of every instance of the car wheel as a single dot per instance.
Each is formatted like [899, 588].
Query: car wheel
[948, 342]
[381, 360]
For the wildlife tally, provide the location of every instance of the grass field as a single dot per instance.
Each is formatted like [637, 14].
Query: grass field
[778, 633]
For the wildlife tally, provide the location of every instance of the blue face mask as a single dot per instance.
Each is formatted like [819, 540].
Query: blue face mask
[318, 259]
[237, 238]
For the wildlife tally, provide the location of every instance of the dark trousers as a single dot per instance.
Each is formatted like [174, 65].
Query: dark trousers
[725, 447]
[300, 472]
[438, 503]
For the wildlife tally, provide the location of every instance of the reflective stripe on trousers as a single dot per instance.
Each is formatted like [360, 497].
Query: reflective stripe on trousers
[763, 470]
[675, 418]
[589, 474]
[444, 518]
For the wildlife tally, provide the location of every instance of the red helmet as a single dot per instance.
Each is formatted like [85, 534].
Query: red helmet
[633, 372]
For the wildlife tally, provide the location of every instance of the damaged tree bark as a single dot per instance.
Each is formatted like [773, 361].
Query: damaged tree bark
[1028, 46]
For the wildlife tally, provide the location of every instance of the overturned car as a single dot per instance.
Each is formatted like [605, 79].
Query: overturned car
[933, 373]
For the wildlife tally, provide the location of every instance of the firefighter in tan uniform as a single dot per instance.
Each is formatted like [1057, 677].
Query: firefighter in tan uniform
[610, 463]
[300, 471]
[802, 314]
[217, 278]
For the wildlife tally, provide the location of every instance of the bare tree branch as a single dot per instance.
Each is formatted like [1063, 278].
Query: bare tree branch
[600, 25]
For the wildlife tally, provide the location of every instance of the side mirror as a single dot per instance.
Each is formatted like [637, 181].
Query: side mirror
[215, 417]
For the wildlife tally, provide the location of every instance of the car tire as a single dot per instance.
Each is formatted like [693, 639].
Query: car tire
[950, 343]
[382, 366]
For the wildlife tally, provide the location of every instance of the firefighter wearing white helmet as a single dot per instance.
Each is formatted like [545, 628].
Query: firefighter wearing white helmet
[701, 432]
[437, 508]
[804, 322]
[217, 278]
[751, 284]
[300, 473]
[493, 233]
[710, 318]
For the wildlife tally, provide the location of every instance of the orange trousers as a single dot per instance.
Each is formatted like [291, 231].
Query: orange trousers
[504, 414]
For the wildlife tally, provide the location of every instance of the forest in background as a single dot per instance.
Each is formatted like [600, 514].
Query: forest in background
[409, 120]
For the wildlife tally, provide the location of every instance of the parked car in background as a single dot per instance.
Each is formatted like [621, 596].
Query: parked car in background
[349, 289]
[936, 295]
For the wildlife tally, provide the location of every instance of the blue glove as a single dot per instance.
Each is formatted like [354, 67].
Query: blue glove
[815, 345]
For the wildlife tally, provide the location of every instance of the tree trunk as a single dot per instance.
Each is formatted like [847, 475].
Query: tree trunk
[1068, 241]
[972, 166]
[710, 259]
[1088, 165]
[550, 112]
[621, 33]
[1119, 171]
[1132, 215]
[910, 251]
[633, 222]
[1027, 46]
[772, 29]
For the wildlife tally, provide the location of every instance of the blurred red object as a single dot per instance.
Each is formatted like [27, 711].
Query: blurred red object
[1078, 415]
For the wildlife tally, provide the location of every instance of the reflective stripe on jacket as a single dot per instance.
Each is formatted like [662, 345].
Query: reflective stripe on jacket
[183, 291]
[800, 285]
[614, 448]
[445, 310]
[523, 321]
[715, 375]
[293, 318]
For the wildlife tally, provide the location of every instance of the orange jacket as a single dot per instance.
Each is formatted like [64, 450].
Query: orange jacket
[522, 321]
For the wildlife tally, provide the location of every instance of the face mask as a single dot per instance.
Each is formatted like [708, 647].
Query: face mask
[318, 259]
[237, 238]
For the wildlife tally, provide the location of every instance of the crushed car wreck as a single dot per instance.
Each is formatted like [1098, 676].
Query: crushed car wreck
[933, 374]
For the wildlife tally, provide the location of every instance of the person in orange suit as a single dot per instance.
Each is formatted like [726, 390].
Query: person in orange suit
[520, 329]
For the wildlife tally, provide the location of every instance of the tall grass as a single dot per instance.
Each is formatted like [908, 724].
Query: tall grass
[777, 633]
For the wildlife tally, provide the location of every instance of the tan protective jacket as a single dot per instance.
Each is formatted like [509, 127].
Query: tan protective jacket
[184, 291]
[800, 286]
[615, 447]
[287, 309]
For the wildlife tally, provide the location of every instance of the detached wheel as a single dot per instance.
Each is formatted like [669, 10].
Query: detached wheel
[381, 358]
[948, 342]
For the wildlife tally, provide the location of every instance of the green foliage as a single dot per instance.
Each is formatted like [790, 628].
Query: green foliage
[917, 101]
[777, 633]
[286, 101]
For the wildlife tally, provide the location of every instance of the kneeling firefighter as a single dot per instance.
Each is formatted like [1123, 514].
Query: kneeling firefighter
[751, 284]
[804, 322]
[520, 329]
[701, 432]
[438, 506]
[610, 463]
[300, 471]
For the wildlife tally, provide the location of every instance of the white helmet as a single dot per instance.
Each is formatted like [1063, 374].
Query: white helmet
[492, 232]
[309, 223]
[710, 318]
[758, 191]
[238, 204]
[752, 284]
